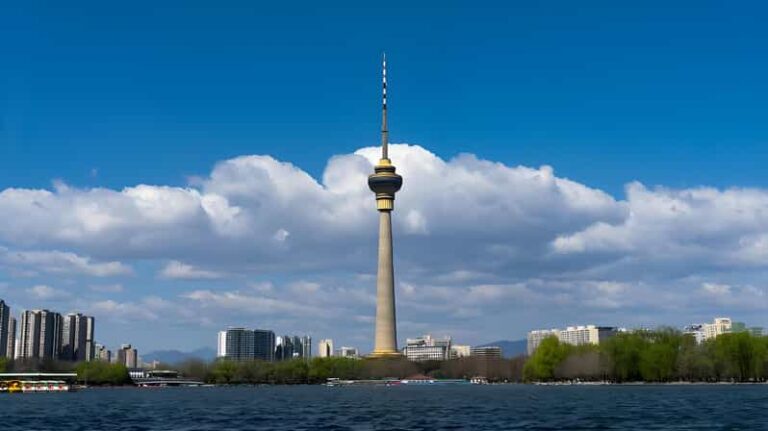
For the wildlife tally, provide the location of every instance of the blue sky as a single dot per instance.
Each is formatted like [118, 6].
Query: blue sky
[605, 92]
[107, 96]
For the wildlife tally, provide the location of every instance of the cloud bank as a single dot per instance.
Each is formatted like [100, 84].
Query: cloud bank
[482, 248]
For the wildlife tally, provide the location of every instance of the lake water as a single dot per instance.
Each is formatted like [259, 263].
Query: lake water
[690, 407]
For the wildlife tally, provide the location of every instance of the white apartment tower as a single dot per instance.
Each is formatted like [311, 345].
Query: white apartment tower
[10, 352]
[39, 334]
[325, 348]
[537, 336]
[574, 335]
[707, 331]
[77, 338]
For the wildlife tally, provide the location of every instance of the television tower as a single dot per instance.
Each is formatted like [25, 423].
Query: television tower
[385, 183]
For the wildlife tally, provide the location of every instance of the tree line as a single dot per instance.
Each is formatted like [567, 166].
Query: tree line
[319, 370]
[663, 355]
[296, 371]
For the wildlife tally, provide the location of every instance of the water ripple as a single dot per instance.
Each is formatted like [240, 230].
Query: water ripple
[692, 407]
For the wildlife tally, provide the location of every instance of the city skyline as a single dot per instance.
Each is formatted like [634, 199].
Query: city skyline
[170, 194]
[71, 338]
[67, 344]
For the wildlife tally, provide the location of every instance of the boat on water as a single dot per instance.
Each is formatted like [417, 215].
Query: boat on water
[163, 378]
[434, 382]
[411, 381]
[32, 386]
[14, 383]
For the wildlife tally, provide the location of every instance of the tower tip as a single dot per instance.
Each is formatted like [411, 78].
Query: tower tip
[384, 131]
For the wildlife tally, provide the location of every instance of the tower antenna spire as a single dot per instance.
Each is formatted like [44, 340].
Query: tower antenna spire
[384, 131]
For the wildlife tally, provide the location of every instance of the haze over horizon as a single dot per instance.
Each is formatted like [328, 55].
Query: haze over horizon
[175, 170]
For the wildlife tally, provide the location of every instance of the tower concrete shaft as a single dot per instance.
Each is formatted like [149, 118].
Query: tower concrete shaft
[385, 183]
[386, 326]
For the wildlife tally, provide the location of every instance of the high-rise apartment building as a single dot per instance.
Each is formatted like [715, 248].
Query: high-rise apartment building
[90, 342]
[293, 347]
[325, 348]
[306, 347]
[242, 344]
[5, 323]
[76, 338]
[589, 334]
[237, 344]
[221, 345]
[128, 356]
[264, 345]
[39, 334]
[284, 348]
[10, 351]
[536, 337]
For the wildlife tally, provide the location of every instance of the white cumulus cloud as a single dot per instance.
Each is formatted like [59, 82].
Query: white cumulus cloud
[478, 244]
[178, 270]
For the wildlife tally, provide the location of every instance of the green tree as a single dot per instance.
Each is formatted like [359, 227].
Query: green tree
[102, 373]
[624, 354]
[693, 362]
[223, 371]
[321, 369]
[547, 357]
[291, 372]
[658, 357]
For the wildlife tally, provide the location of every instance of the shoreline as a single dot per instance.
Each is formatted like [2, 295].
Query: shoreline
[385, 384]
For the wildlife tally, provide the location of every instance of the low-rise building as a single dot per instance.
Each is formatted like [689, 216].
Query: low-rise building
[347, 352]
[721, 325]
[102, 353]
[460, 351]
[707, 331]
[427, 348]
[696, 331]
[488, 352]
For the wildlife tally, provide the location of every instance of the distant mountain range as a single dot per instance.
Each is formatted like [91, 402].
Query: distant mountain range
[510, 348]
[176, 356]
